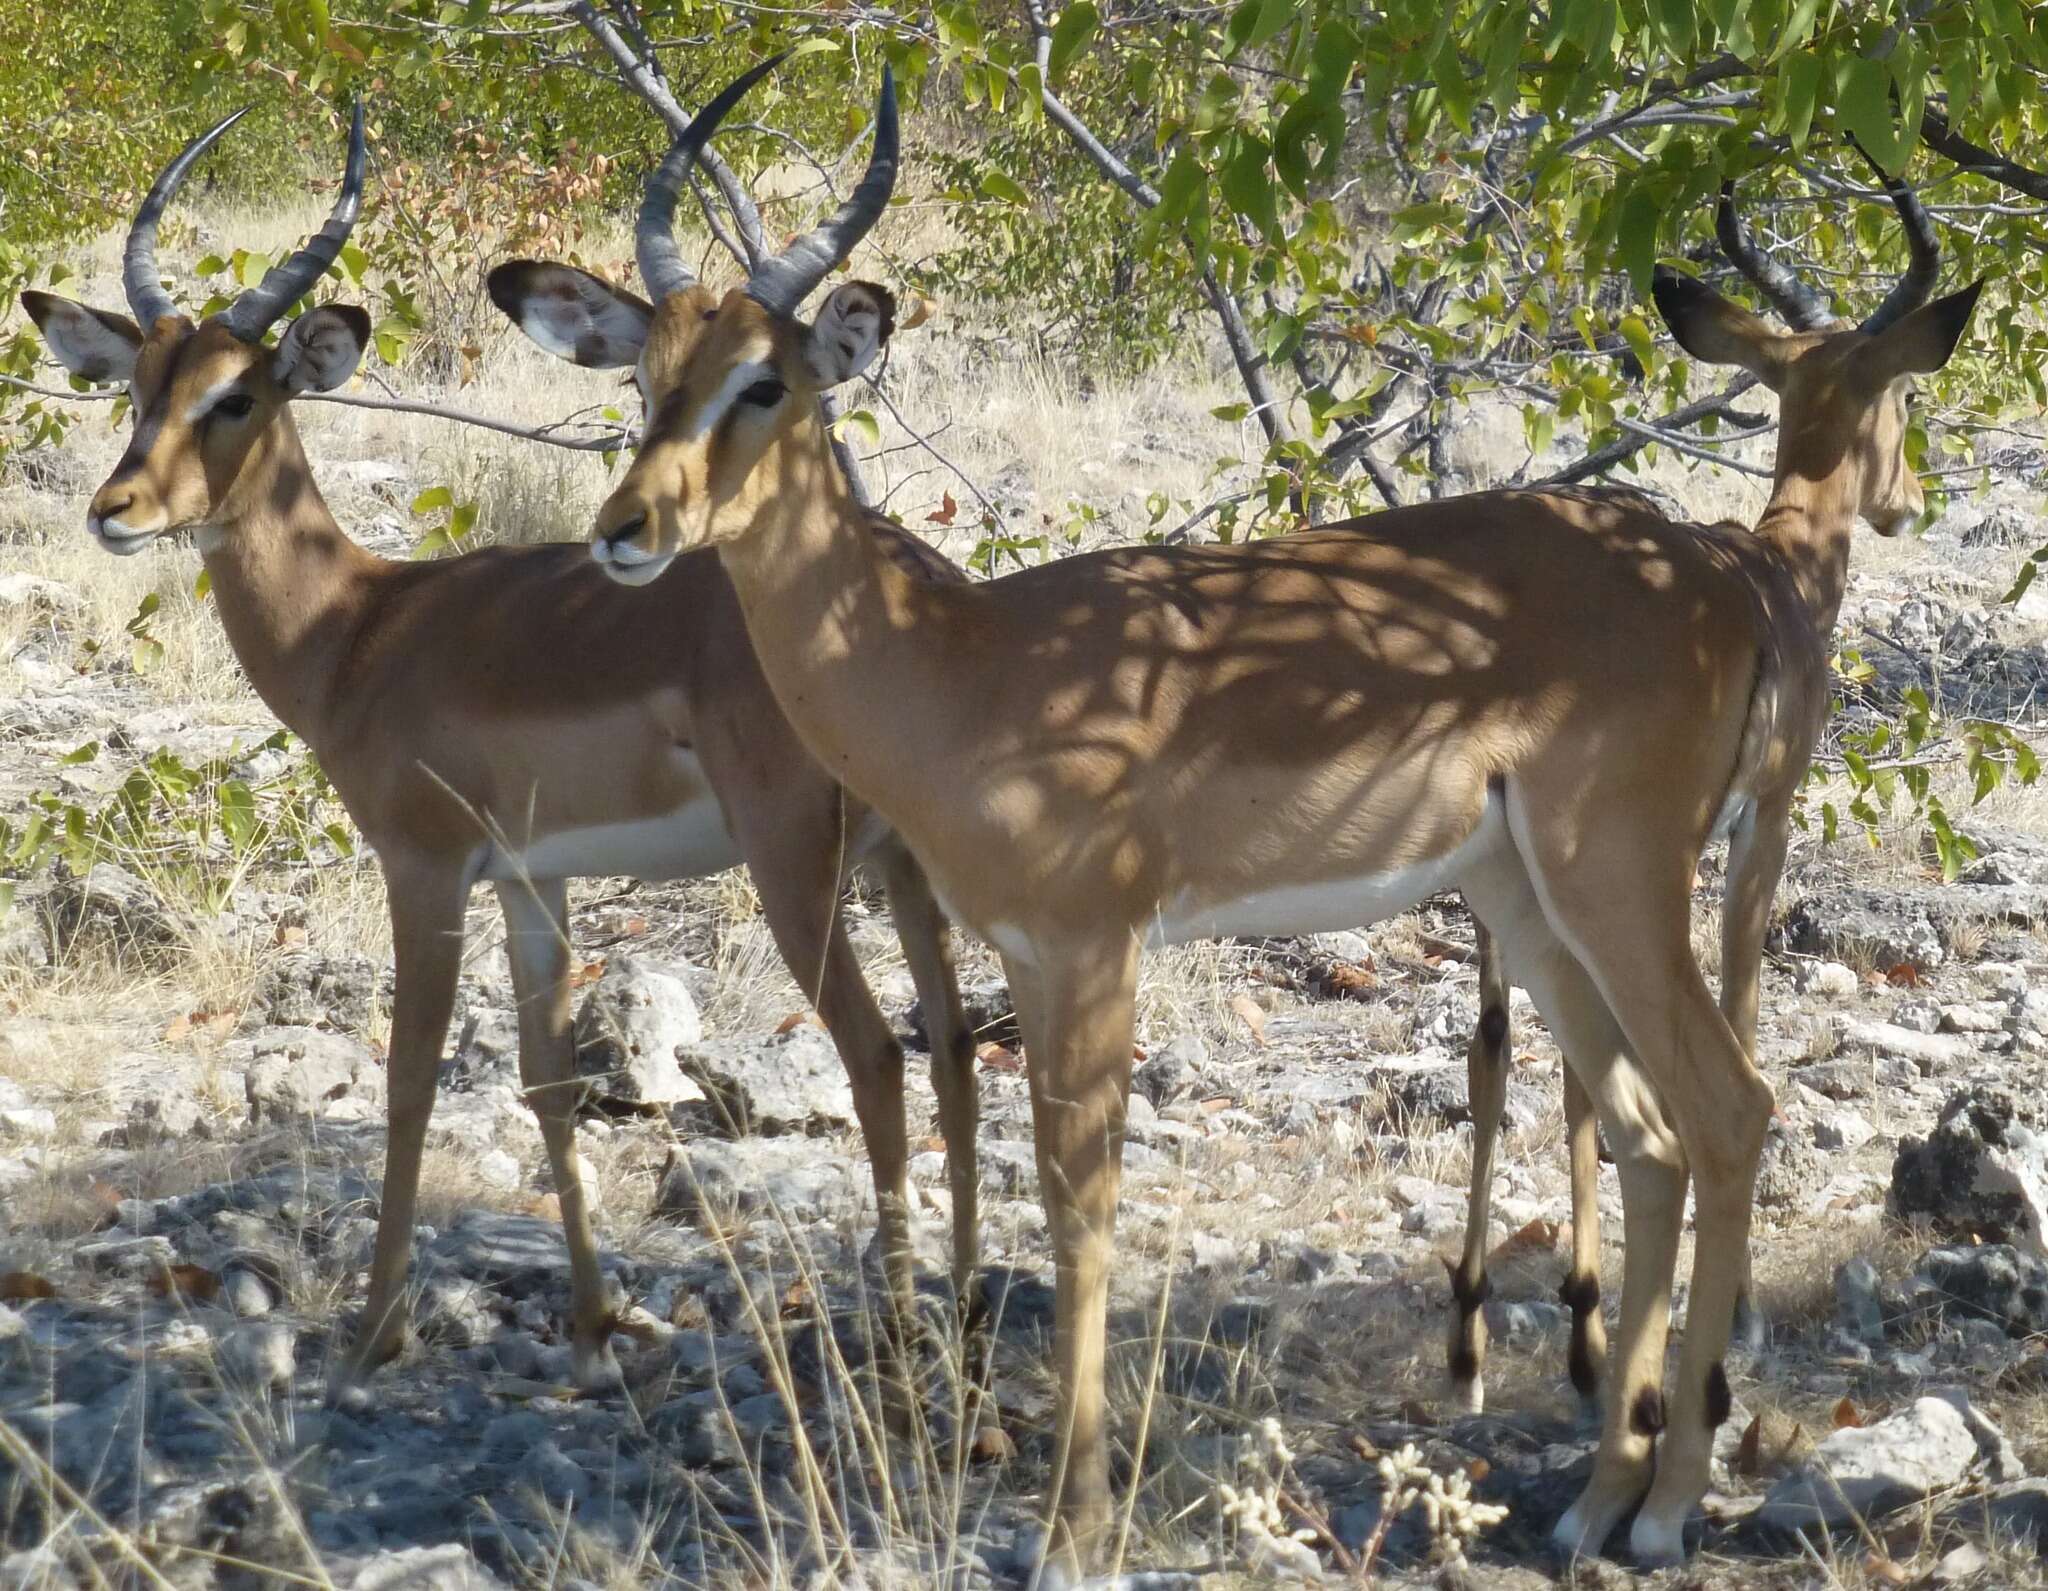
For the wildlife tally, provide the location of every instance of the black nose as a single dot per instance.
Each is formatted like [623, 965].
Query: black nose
[626, 530]
[112, 507]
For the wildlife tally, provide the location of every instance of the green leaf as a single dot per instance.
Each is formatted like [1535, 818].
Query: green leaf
[1675, 27]
[1635, 241]
[1231, 412]
[207, 264]
[79, 754]
[432, 498]
[461, 522]
[1256, 21]
[145, 653]
[1070, 35]
[237, 805]
[250, 266]
[1798, 84]
[1247, 187]
[1865, 108]
[862, 422]
[998, 186]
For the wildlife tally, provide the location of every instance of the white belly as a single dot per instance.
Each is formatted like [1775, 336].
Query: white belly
[1323, 905]
[686, 843]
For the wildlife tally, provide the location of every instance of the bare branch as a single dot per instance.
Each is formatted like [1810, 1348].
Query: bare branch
[610, 439]
[643, 76]
[1603, 459]
[1943, 139]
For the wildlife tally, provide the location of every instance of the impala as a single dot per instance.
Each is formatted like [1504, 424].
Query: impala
[509, 716]
[1549, 700]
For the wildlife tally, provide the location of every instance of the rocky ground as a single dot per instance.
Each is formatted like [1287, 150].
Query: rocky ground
[191, 1102]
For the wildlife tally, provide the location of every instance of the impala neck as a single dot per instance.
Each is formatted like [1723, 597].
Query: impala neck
[838, 627]
[290, 585]
[1811, 521]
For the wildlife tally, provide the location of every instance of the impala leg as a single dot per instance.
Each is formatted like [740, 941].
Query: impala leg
[1756, 860]
[1486, 1059]
[796, 866]
[1581, 1289]
[426, 924]
[1691, 1081]
[537, 944]
[1652, 1169]
[928, 949]
[1077, 1024]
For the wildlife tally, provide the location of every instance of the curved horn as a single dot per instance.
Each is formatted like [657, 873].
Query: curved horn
[140, 278]
[250, 315]
[783, 283]
[1910, 291]
[1802, 308]
[654, 235]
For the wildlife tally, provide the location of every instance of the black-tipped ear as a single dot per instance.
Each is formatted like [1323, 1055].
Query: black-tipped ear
[1715, 331]
[571, 313]
[321, 349]
[96, 344]
[1920, 343]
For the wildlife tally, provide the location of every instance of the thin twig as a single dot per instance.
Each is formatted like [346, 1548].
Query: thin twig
[614, 438]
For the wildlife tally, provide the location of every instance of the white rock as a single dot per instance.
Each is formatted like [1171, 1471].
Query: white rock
[628, 1029]
[1855, 1473]
[28, 1122]
[1930, 1052]
[1829, 978]
[260, 1354]
[499, 1169]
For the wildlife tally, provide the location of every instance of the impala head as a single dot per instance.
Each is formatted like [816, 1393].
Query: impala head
[1843, 388]
[728, 384]
[209, 399]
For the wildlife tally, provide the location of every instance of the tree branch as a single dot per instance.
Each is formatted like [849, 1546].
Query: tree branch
[1603, 459]
[612, 439]
[643, 76]
[1943, 139]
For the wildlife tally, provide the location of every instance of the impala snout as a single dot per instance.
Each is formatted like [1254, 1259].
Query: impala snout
[124, 519]
[625, 543]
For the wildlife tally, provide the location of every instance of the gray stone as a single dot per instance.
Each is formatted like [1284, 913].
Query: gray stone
[245, 1293]
[339, 992]
[444, 1568]
[1841, 1130]
[629, 1027]
[789, 1082]
[165, 1112]
[1858, 1311]
[1791, 1174]
[1930, 1052]
[1172, 1070]
[259, 1354]
[1862, 928]
[1981, 1175]
[1988, 1282]
[112, 906]
[1860, 1473]
[293, 1072]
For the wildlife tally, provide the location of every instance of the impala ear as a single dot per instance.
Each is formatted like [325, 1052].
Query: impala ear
[1922, 342]
[1712, 329]
[850, 331]
[94, 343]
[321, 349]
[572, 314]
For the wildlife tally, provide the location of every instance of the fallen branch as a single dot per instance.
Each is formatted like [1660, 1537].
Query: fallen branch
[1603, 459]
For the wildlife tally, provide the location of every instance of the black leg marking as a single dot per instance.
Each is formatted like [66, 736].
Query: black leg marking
[1646, 1417]
[1493, 1027]
[1471, 1292]
[1464, 1363]
[1582, 1295]
[1719, 1399]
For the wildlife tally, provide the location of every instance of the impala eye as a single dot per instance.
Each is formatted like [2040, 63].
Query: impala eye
[235, 406]
[764, 394]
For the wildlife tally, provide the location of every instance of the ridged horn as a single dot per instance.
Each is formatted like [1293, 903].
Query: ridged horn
[1802, 308]
[284, 284]
[140, 278]
[654, 235]
[783, 283]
